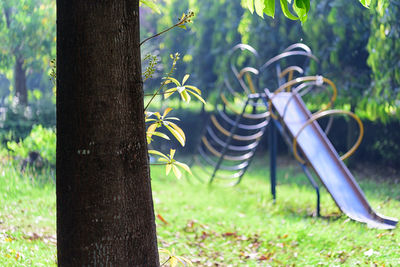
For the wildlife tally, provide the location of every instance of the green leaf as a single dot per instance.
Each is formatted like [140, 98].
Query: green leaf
[177, 172]
[175, 81]
[259, 5]
[198, 97]
[169, 92]
[172, 118]
[168, 168]
[172, 153]
[250, 5]
[185, 79]
[301, 7]
[185, 96]
[183, 166]
[180, 132]
[176, 134]
[158, 153]
[269, 8]
[151, 5]
[166, 111]
[157, 114]
[162, 135]
[153, 127]
[183, 26]
[193, 88]
[365, 3]
[286, 11]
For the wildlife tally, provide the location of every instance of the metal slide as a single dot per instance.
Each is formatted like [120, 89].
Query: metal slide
[318, 151]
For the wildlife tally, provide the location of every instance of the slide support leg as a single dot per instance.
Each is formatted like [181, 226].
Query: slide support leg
[316, 187]
[272, 158]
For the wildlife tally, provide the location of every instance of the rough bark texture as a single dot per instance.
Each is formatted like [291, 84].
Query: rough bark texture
[21, 91]
[105, 211]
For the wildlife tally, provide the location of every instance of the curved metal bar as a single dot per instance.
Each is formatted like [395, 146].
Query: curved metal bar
[245, 115]
[245, 72]
[285, 55]
[324, 114]
[220, 176]
[257, 126]
[250, 82]
[235, 175]
[224, 167]
[318, 79]
[217, 153]
[239, 74]
[235, 136]
[290, 70]
[241, 47]
[298, 45]
[236, 94]
[231, 147]
[225, 177]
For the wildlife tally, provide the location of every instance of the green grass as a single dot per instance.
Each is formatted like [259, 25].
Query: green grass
[217, 226]
[27, 218]
[241, 226]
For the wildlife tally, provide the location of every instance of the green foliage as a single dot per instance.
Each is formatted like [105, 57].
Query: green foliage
[27, 30]
[300, 7]
[338, 33]
[40, 139]
[155, 120]
[151, 4]
[384, 54]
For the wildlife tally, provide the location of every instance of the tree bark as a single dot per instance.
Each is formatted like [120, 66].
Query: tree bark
[105, 211]
[21, 91]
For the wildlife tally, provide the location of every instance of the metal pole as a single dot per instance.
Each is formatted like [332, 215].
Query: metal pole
[316, 187]
[272, 158]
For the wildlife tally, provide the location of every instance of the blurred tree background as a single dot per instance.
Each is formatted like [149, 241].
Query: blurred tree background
[358, 48]
[27, 45]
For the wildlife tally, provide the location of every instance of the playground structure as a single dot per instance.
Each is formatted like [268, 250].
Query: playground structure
[243, 113]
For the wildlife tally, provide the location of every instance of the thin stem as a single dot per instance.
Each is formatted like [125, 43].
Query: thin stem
[159, 163]
[166, 261]
[154, 95]
[164, 31]
[159, 93]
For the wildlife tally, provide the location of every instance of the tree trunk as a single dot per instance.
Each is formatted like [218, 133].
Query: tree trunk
[21, 91]
[105, 211]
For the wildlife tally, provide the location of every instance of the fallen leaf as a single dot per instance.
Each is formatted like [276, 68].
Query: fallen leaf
[234, 234]
[162, 218]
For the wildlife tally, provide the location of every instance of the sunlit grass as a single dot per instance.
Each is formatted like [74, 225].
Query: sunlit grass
[27, 217]
[236, 226]
[242, 226]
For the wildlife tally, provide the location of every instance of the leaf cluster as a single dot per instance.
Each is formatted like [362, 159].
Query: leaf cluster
[300, 8]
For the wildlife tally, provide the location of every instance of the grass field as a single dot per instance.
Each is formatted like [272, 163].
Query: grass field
[216, 226]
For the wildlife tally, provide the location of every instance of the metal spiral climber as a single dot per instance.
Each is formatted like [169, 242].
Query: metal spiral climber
[240, 119]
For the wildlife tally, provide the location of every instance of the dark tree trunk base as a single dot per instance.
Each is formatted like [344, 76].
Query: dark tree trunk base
[105, 211]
